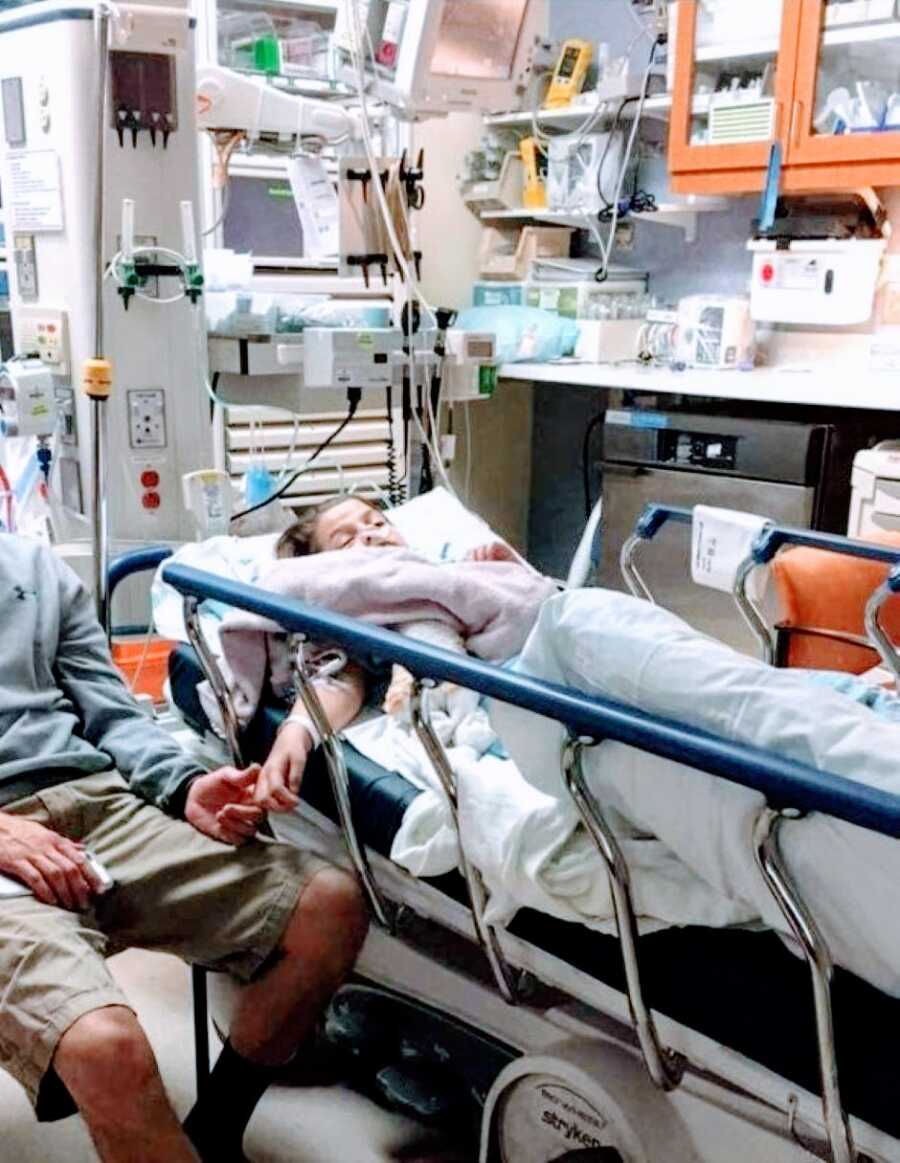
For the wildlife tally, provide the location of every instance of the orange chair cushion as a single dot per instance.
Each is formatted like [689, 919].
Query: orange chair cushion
[821, 590]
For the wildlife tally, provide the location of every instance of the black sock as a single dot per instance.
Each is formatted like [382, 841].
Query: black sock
[218, 1119]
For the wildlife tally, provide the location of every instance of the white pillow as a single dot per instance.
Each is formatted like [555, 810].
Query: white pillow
[440, 527]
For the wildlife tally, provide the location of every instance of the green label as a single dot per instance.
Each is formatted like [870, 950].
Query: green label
[487, 381]
[283, 191]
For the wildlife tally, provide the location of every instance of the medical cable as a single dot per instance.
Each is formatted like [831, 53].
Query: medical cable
[178, 259]
[467, 404]
[354, 395]
[410, 282]
[215, 399]
[412, 285]
[414, 290]
[292, 449]
[357, 48]
[395, 489]
[142, 661]
[224, 145]
[601, 274]
[8, 493]
[585, 462]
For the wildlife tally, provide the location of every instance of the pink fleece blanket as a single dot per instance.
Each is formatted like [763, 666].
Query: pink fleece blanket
[493, 605]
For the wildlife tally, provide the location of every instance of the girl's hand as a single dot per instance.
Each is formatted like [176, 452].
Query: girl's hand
[278, 787]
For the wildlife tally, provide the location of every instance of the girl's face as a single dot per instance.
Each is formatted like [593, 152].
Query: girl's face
[354, 525]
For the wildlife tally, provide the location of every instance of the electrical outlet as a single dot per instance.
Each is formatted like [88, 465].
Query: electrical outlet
[147, 418]
[45, 332]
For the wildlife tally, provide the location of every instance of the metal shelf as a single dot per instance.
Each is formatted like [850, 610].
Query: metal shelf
[657, 107]
[680, 214]
[300, 86]
[321, 7]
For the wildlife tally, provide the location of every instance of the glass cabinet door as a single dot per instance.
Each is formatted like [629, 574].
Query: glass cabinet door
[277, 38]
[734, 76]
[847, 106]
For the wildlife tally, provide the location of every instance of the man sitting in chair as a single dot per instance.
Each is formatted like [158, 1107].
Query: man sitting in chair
[84, 772]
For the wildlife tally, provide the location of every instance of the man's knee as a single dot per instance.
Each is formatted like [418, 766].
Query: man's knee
[332, 908]
[105, 1060]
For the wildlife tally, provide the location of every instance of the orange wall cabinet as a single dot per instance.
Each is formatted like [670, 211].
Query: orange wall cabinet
[821, 78]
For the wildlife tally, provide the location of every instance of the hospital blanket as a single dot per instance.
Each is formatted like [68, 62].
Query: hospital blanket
[687, 836]
[492, 604]
[611, 645]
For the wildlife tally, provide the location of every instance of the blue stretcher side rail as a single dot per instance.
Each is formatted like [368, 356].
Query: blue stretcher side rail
[785, 783]
[772, 538]
[132, 562]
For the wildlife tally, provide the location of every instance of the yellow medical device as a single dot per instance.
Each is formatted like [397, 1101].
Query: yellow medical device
[569, 74]
[534, 186]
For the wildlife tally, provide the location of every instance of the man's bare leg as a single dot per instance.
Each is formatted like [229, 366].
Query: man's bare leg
[317, 950]
[278, 1012]
[108, 1066]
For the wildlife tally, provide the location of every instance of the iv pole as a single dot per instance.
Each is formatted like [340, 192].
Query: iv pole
[96, 380]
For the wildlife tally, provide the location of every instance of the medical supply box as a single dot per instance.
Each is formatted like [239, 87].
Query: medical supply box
[509, 254]
[586, 299]
[498, 294]
[875, 496]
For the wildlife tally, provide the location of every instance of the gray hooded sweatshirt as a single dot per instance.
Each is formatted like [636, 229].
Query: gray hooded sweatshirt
[64, 710]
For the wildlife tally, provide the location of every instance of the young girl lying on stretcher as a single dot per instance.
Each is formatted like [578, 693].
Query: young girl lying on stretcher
[348, 523]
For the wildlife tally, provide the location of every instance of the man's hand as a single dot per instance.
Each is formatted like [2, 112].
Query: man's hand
[495, 551]
[221, 804]
[278, 786]
[54, 868]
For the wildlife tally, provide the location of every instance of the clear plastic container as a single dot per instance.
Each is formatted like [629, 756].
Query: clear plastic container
[304, 49]
[248, 41]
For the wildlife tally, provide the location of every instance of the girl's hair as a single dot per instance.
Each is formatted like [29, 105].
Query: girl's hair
[299, 539]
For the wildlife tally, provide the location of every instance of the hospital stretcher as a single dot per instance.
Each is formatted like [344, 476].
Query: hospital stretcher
[722, 1020]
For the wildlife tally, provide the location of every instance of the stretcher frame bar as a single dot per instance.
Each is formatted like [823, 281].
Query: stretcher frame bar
[769, 860]
[664, 1067]
[340, 781]
[487, 934]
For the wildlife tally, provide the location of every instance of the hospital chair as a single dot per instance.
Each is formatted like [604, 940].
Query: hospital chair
[832, 593]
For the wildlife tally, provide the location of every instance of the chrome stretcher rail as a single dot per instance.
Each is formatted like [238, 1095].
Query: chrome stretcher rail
[789, 787]
[888, 589]
[651, 520]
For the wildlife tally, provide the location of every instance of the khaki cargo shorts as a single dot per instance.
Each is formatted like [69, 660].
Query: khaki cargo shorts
[176, 890]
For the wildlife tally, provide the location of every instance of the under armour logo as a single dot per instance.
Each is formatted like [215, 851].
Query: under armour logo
[22, 593]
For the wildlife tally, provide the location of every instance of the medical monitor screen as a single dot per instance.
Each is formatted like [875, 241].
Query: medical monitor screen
[478, 39]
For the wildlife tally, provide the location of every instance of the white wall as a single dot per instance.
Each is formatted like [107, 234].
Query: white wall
[449, 236]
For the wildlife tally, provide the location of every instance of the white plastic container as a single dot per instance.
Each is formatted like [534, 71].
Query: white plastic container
[827, 282]
[875, 496]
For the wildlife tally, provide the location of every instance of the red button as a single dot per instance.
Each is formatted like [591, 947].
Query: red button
[767, 273]
[150, 500]
[150, 478]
